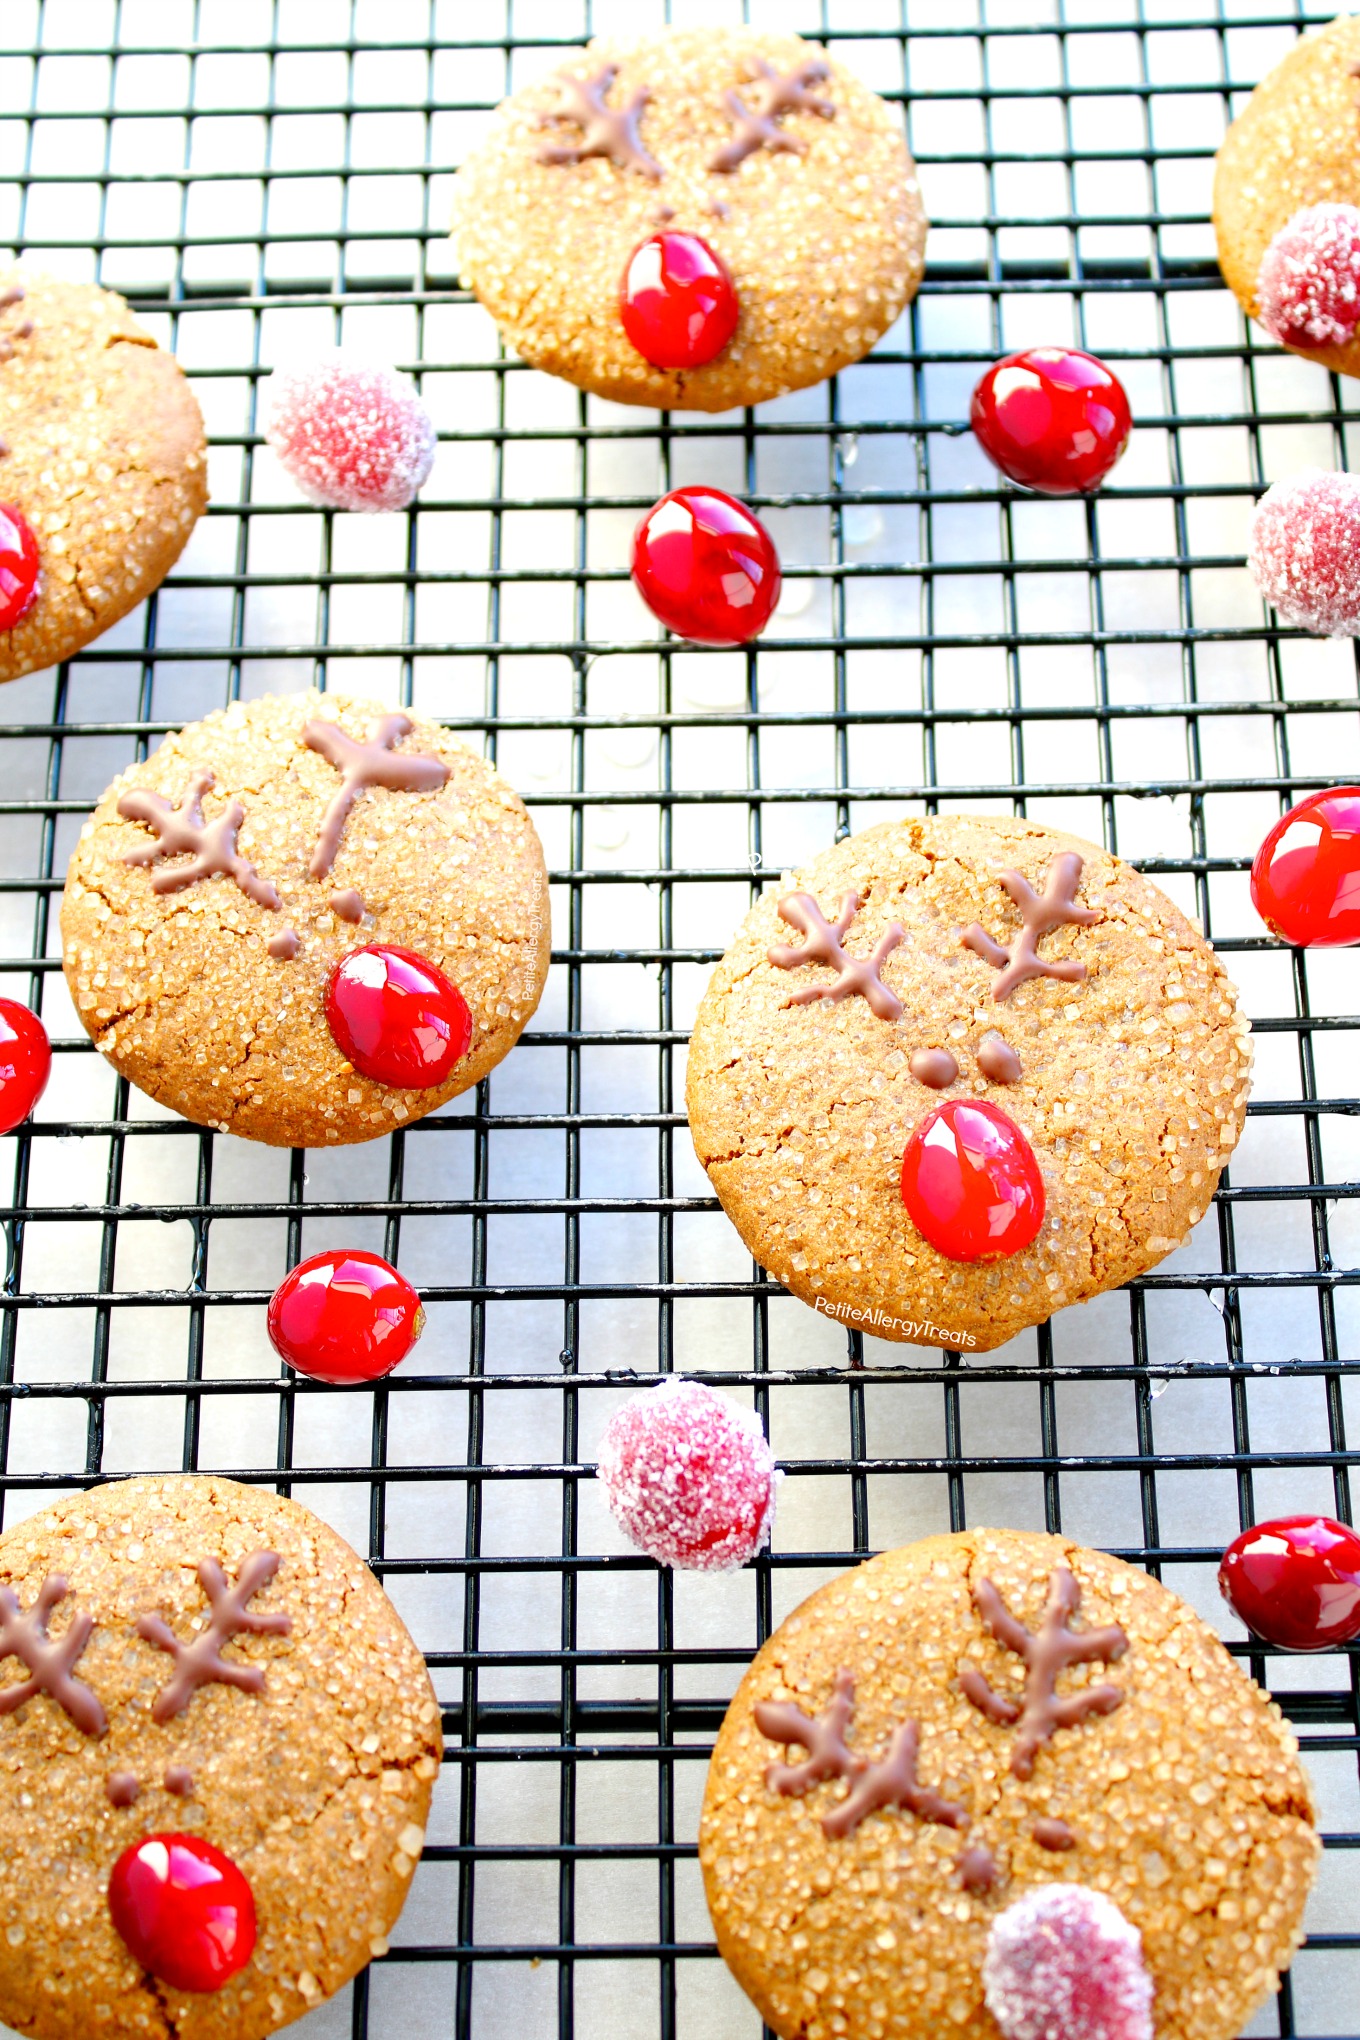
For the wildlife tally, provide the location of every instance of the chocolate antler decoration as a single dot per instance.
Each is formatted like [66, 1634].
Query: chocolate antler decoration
[49, 1659]
[375, 763]
[182, 831]
[1050, 1649]
[755, 125]
[201, 1662]
[858, 974]
[1040, 913]
[891, 1782]
[606, 130]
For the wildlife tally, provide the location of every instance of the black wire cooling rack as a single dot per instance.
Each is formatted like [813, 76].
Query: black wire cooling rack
[265, 175]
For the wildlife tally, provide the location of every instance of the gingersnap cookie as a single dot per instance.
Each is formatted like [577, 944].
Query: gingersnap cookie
[938, 1741]
[307, 920]
[103, 466]
[219, 1743]
[962, 1071]
[1287, 199]
[704, 218]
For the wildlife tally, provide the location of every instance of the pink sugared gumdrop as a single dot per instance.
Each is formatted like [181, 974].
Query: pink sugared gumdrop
[1303, 548]
[352, 434]
[689, 1477]
[1308, 289]
[1063, 1963]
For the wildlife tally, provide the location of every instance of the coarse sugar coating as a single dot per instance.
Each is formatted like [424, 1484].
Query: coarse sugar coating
[689, 1476]
[821, 226]
[210, 998]
[101, 450]
[1130, 1083]
[1064, 1964]
[353, 434]
[317, 1785]
[1291, 150]
[1178, 1794]
[1303, 550]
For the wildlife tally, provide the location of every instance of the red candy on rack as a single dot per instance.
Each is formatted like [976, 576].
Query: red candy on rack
[25, 1063]
[344, 1317]
[1303, 549]
[970, 1182]
[678, 304]
[1295, 1581]
[1063, 1963]
[18, 566]
[184, 1909]
[689, 1477]
[1052, 418]
[352, 434]
[396, 1017]
[1308, 289]
[1305, 878]
[706, 567]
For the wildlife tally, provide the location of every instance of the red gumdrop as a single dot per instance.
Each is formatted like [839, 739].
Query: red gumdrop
[352, 434]
[706, 567]
[1303, 549]
[677, 302]
[1308, 287]
[343, 1317]
[1063, 1963]
[1305, 878]
[25, 1063]
[1052, 418]
[689, 1477]
[970, 1182]
[1295, 1581]
[18, 566]
[184, 1909]
[396, 1017]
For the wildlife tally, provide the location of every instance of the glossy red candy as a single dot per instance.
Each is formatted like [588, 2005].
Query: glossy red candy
[970, 1182]
[25, 1063]
[396, 1017]
[706, 567]
[1295, 1581]
[1305, 878]
[343, 1317]
[184, 1909]
[1052, 418]
[678, 303]
[18, 566]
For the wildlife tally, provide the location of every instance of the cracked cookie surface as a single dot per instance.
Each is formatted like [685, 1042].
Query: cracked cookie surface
[318, 1785]
[104, 455]
[1132, 1088]
[180, 990]
[1186, 1801]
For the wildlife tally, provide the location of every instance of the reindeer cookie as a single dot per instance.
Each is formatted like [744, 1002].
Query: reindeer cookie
[307, 920]
[203, 1692]
[960, 1072]
[705, 218]
[938, 1742]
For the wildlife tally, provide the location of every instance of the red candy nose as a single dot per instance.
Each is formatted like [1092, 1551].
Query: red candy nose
[677, 303]
[706, 567]
[1295, 1581]
[1305, 880]
[970, 1182]
[184, 1909]
[18, 566]
[343, 1317]
[396, 1017]
[1052, 418]
[25, 1063]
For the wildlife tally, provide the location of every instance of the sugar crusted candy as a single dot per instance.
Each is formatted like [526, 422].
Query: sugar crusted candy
[1064, 1964]
[689, 1477]
[353, 434]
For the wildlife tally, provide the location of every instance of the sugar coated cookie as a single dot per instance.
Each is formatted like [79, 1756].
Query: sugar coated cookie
[307, 919]
[1287, 199]
[932, 1761]
[103, 466]
[735, 201]
[199, 1678]
[959, 1072]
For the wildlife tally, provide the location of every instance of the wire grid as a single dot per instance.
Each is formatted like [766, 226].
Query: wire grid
[266, 175]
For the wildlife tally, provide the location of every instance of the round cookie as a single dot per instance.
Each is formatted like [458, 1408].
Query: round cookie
[199, 968]
[315, 1776]
[103, 455]
[861, 1903]
[1293, 145]
[1127, 1071]
[818, 217]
